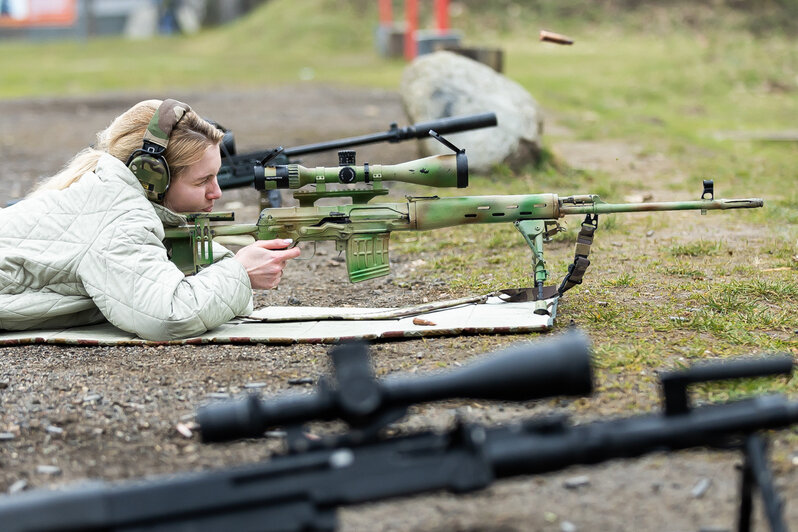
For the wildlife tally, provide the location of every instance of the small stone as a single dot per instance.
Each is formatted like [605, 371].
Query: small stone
[17, 486]
[48, 470]
[302, 380]
[3, 385]
[577, 482]
[550, 517]
[567, 526]
[52, 429]
[700, 488]
[92, 398]
[184, 430]
[294, 301]
[649, 233]
[6, 436]
[217, 395]
[251, 385]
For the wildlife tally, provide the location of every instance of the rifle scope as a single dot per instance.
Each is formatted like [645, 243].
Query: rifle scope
[450, 170]
[554, 367]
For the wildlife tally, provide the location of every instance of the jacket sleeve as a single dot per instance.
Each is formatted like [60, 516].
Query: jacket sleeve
[129, 277]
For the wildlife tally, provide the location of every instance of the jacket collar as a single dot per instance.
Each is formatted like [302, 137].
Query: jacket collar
[169, 218]
[109, 168]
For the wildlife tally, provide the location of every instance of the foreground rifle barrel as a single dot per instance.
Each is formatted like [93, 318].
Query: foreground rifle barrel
[532, 451]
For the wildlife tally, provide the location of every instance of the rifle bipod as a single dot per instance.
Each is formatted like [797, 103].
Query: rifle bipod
[755, 473]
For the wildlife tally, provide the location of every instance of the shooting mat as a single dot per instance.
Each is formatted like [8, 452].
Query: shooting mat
[491, 317]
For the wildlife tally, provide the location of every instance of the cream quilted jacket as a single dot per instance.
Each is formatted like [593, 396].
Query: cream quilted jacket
[93, 252]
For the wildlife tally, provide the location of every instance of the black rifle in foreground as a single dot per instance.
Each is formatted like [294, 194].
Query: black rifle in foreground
[237, 169]
[302, 489]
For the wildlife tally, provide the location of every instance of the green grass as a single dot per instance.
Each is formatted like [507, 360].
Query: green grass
[282, 42]
[695, 249]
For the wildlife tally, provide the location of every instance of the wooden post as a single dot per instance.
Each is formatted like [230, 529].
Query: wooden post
[411, 25]
[386, 13]
[442, 16]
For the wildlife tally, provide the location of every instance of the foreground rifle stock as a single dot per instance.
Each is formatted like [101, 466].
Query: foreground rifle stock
[362, 230]
[301, 490]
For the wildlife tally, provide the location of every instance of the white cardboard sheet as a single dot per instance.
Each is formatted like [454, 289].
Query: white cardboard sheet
[493, 317]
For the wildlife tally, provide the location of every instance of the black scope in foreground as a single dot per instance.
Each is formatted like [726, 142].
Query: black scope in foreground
[556, 367]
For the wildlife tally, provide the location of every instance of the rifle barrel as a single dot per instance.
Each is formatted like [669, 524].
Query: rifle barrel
[711, 205]
[416, 131]
[541, 451]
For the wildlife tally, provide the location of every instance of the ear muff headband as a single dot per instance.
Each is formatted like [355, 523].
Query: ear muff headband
[148, 163]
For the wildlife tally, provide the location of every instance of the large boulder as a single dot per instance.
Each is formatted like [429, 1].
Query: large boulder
[444, 84]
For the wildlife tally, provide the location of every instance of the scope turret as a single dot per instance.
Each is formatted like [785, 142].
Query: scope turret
[555, 367]
[450, 170]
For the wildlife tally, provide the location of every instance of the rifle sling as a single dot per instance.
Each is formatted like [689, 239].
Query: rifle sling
[583, 242]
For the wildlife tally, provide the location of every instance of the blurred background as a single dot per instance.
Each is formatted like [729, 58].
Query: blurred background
[711, 87]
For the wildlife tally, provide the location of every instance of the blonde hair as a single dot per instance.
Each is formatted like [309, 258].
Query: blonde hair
[187, 144]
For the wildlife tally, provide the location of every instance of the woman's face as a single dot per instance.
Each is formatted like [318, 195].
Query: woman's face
[196, 188]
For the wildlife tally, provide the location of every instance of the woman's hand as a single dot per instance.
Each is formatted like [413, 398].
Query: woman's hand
[264, 261]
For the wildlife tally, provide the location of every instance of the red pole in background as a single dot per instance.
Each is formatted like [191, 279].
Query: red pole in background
[411, 25]
[386, 15]
[442, 15]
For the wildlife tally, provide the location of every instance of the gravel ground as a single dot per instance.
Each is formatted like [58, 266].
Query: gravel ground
[72, 413]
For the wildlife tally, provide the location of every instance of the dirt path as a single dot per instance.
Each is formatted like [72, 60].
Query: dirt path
[111, 413]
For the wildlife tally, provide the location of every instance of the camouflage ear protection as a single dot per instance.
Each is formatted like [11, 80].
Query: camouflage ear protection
[148, 163]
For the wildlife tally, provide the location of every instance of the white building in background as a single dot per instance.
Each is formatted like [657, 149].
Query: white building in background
[135, 18]
[16, 9]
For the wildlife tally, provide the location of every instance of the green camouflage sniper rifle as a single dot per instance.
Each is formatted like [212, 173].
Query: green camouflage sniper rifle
[236, 169]
[301, 490]
[362, 230]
